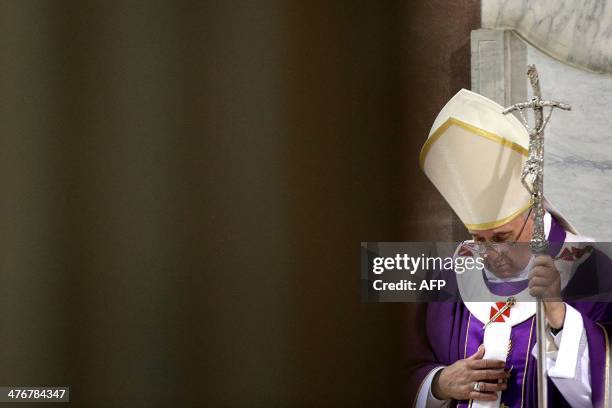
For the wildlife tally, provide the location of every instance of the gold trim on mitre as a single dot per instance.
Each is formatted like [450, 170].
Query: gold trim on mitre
[470, 128]
[487, 135]
[495, 224]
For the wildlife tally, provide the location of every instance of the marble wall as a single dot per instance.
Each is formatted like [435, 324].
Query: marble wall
[569, 42]
[578, 175]
[578, 32]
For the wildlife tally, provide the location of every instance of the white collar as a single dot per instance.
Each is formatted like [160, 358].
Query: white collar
[472, 286]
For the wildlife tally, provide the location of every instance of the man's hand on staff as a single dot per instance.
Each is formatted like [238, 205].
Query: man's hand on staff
[545, 283]
[458, 381]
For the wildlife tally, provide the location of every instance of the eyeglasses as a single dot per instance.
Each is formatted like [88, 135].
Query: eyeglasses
[498, 248]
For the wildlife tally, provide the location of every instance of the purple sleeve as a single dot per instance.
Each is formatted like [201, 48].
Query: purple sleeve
[594, 316]
[419, 358]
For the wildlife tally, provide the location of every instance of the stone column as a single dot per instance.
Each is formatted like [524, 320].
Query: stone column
[499, 64]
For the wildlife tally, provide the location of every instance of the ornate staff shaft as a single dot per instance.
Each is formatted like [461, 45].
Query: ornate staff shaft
[539, 244]
[532, 178]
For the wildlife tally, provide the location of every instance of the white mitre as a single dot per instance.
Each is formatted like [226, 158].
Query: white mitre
[474, 155]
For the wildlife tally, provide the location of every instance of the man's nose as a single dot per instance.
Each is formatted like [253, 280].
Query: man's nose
[491, 253]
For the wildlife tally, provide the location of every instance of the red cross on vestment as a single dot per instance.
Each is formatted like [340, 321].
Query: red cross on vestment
[494, 310]
[574, 253]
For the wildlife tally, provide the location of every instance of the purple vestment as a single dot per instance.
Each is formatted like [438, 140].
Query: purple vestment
[453, 333]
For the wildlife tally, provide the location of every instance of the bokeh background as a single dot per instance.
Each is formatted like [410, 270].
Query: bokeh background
[184, 186]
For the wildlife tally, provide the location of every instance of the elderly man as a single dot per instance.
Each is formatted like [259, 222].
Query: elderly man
[480, 353]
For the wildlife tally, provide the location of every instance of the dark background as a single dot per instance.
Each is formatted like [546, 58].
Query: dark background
[185, 186]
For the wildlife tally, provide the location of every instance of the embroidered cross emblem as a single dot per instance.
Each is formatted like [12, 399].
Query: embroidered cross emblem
[574, 253]
[500, 311]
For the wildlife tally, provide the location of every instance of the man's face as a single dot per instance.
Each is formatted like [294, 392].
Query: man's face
[508, 262]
